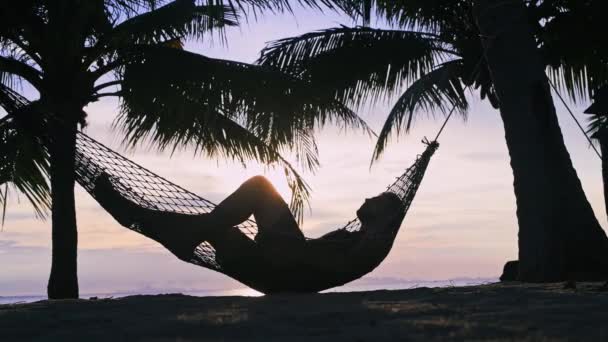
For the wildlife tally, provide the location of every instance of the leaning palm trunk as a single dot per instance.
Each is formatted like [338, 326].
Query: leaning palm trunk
[559, 236]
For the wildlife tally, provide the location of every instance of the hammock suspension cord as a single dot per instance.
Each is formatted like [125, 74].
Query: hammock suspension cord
[451, 112]
[574, 118]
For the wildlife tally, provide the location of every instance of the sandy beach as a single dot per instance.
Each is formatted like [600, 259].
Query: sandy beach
[496, 312]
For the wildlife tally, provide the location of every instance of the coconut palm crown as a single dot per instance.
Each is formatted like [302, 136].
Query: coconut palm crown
[433, 50]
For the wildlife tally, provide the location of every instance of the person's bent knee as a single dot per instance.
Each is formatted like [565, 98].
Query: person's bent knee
[260, 184]
[259, 180]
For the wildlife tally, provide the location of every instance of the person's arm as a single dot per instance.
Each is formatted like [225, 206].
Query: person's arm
[331, 252]
[370, 250]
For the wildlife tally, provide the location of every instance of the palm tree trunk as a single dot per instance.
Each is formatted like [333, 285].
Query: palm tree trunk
[63, 281]
[559, 236]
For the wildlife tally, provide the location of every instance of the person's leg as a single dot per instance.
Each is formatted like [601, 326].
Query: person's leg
[134, 215]
[259, 198]
[179, 233]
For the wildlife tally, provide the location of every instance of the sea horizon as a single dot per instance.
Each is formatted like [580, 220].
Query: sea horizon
[366, 284]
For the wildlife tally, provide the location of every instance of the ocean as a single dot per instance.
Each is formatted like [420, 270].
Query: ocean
[364, 284]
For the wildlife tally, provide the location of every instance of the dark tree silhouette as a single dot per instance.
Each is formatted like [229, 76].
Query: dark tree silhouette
[559, 236]
[435, 52]
[75, 52]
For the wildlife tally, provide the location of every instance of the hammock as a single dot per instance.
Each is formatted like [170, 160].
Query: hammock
[152, 191]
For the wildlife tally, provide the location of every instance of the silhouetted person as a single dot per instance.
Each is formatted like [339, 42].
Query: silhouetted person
[279, 244]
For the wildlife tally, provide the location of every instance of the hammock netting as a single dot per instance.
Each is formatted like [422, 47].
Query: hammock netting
[151, 191]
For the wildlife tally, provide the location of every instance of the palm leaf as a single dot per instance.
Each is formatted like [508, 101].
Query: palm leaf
[561, 50]
[597, 123]
[24, 159]
[132, 8]
[598, 111]
[174, 98]
[170, 85]
[18, 68]
[357, 64]
[215, 135]
[429, 15]
[439, 90]
[573, 46]
[176, 20]
[574, 66]
[24, 164]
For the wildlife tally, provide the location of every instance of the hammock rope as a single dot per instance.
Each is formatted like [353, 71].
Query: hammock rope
[571, 112]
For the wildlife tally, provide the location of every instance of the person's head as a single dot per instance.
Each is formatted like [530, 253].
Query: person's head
[379, 209]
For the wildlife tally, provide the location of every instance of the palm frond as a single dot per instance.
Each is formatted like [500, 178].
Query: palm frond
[9, 79]
[576, 73]
[213, 134]
[175, 98]
[24, 164]
[12, 67]
[439, 90]
[357, 64]
[597, 124]
[598, 111]
[257, 6]
[573, 66]
[429, 15]
[571, 80]
[574, 49]
[130, 8]
[176, 20]
[174, 84]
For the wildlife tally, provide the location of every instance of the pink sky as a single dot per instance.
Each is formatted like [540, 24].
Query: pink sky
[462, 223]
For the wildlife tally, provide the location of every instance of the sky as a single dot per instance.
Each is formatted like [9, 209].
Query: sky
[462, 223]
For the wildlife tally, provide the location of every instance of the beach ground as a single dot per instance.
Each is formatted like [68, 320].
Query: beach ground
[496, 312]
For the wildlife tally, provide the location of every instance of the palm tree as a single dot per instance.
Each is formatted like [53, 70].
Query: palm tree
[75, 52]
[560, 237]
[575, 45]
[434, 58]
[435, 52]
